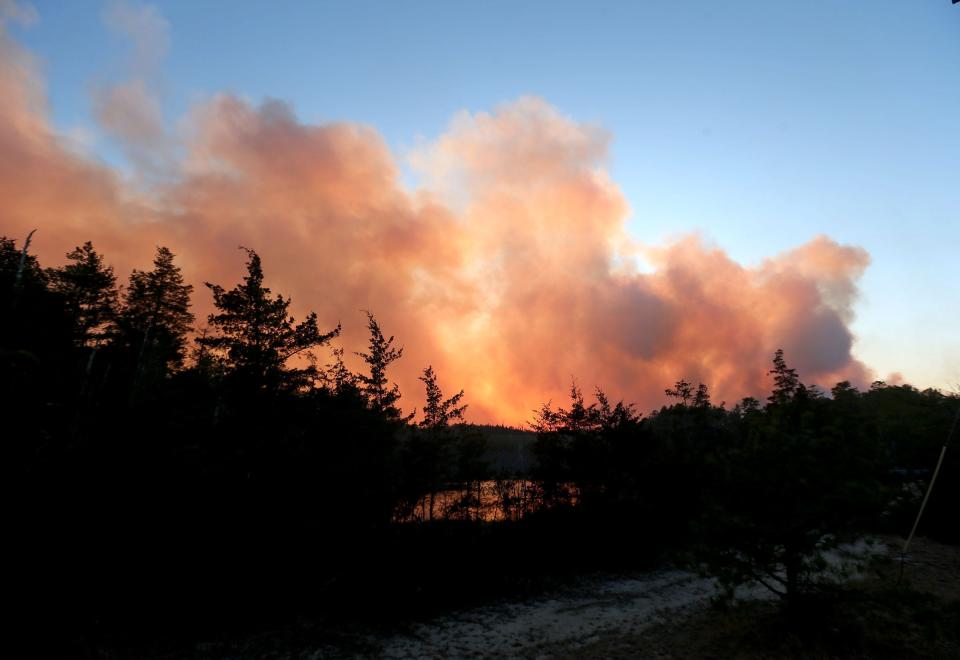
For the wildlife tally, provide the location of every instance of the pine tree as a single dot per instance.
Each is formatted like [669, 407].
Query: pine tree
[681, 390]
[581, 417]
[20, 273]
[702, 397]
[785, 380]
[438, 412]
[89, 292]
[614, 417]
[33, 316]
[380, 395]
[156, 317]
[339, 379]
[254, 336]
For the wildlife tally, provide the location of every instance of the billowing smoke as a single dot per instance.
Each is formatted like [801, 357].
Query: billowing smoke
[509, 270]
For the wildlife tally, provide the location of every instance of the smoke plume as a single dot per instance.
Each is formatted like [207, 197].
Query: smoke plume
[509, 271]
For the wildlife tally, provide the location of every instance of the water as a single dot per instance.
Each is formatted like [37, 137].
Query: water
[490, 500]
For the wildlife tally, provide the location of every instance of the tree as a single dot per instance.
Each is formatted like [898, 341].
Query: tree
[89, 292]
[255, 337]
[799, 482]
[785, 381]
[32, 315]
[581, 417]
[381, 396]
[681, 390]
[747, 406]
[36, 350]
[338, 378]
[155, 317]
[617, 417]
[439, 412]
[428, 457]
[701, 399]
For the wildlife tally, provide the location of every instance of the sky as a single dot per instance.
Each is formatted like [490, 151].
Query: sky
[755, 126]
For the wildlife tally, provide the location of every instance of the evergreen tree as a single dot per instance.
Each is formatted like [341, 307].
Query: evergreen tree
[339, 379]
[156, 317]
[89, 292]
[381, 396]
[801, 480]
[439, 412]
[580, 417]
[785, 381]
[616, 417]
[701, 399]
[24, 297]
[36, 347]
[254, 336]
[681, 390]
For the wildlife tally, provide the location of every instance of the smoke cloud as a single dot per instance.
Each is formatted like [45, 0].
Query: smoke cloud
[509, 270]
[129, 111]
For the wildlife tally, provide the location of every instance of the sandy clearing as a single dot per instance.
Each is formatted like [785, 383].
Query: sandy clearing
[559, 623]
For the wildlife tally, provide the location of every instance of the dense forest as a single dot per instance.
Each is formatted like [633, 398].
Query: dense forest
[171, 476]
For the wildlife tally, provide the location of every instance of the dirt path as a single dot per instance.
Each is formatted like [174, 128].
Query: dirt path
[560, 623]
[609, 616]
[557, 624]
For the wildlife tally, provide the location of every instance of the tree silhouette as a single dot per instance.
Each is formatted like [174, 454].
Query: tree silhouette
[244, 477]
[89, 291]
[23, 285]
[255, 336]
[580, 417]
[681, 390]
[800, 481]
[381, 396]
[439, 412]
[339, 379]
[155, 317]
[785, 381]
[701, 399]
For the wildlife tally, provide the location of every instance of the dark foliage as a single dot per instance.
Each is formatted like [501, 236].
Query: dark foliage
[88, 289]
[157, 493]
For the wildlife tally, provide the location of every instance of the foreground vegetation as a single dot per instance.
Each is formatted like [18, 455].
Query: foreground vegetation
[171, 480]
[890, 612]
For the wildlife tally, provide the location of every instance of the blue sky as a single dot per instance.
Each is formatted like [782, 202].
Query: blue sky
[759, 124]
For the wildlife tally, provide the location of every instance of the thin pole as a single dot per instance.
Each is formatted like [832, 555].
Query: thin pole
[923, 505]
[933, 479]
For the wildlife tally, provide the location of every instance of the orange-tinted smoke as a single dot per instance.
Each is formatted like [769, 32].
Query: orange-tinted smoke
[509, 271]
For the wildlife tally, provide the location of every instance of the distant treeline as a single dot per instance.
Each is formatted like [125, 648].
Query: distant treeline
[169, 478]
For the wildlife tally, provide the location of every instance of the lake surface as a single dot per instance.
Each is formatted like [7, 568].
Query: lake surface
[490, 500]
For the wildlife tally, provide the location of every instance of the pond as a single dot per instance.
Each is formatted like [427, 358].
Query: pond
[489, 500]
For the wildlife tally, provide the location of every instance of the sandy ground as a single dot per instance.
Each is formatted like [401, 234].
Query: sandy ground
[634, 615]
[558, 624]
[589, 611]
[928, 566]
[576, 618]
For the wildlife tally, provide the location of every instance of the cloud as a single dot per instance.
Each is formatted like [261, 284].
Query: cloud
[20, 13]
[145, 28]
[42, 181]
[130, 111]
[509, 270]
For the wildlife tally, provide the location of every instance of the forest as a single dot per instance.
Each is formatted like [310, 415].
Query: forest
[172, 475]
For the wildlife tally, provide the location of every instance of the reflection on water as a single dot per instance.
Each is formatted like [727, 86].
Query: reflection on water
[490, 500]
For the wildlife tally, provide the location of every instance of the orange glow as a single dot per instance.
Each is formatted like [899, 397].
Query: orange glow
[509, 271]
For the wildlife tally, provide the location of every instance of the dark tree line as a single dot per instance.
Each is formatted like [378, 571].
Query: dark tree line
[148, 458]
[174, 475]
[756, 493]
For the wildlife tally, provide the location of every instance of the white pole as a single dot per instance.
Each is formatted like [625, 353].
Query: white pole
[933, 479]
